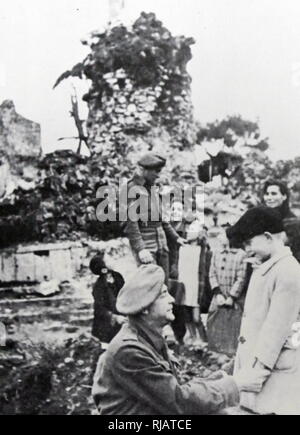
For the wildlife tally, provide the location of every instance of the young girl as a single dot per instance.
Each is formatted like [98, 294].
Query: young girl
[227, 277]
[107, 321]
[189, 266]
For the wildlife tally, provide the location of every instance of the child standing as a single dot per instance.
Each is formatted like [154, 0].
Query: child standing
[269, 343]
[107, 321]
[227, 279]
[189, 266]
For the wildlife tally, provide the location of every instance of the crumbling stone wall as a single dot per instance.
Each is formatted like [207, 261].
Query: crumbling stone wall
[139, 99]
[18, 135]
[20, 149]
[140, 95]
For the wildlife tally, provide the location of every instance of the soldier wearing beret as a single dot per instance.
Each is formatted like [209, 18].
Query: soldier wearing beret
[137, 374]
[269, 338]
[148, 236]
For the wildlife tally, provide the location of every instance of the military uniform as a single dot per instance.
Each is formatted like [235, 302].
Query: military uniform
[150, 231]
[137, 376]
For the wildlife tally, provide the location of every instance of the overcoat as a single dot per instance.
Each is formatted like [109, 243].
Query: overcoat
[151, 230]
[137, 376]
[105, 295]
[268, 335]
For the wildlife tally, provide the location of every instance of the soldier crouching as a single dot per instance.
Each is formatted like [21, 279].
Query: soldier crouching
[137, 374]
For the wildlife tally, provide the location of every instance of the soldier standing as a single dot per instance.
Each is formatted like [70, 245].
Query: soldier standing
[148, 235]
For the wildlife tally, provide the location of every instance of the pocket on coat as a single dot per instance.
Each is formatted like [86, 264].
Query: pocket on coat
[286, 361]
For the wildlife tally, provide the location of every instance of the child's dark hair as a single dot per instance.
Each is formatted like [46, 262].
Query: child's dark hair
[97, 263]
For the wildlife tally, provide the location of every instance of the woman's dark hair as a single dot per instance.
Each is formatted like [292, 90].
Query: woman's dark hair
[284, 209]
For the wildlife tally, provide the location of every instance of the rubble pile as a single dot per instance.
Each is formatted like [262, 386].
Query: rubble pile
[18, 217]
[67, 190]
[61, 206]
[54, 380]
[139, 99]
[140, 95]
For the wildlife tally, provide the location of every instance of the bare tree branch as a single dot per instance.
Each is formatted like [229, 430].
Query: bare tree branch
[78, 122]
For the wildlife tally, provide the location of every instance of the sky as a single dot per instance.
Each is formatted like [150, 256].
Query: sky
[246, 60]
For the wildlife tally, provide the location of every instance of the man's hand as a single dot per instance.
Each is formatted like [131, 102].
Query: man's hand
[229, 302]
[145, 256]
[251, 380]
[196, 315]
[220, 300]
[215, 376]
[181, 241]
[120, 320]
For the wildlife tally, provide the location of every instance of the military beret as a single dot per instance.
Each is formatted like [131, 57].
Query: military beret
[141, 290]
[152, 161]
[255, 222]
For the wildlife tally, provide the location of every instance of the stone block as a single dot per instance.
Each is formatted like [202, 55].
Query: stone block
[25, 267]
[8, 267]
[61, 264]
[43, 269]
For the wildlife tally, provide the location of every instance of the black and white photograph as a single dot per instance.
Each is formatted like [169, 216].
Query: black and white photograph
[150, 210]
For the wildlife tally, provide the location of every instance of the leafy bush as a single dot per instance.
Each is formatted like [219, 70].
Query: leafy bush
[61, 207]
[56, 379]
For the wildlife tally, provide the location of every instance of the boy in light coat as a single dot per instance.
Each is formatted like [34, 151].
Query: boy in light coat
[269, 337]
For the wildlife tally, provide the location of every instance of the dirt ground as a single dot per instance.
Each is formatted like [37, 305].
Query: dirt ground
[48, 363]
[47, 369]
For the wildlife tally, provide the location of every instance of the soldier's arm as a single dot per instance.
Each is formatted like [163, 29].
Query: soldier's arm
[134, 235]
[147, 380]
[170, 232]
[137, 208]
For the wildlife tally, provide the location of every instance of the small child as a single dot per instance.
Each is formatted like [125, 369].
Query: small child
[107, 321]
[189, 267]
[227, 274]
[227, 277]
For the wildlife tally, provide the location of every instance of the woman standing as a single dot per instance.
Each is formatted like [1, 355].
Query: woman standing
[176, 288]
[276, 195]
[191, 267]
[107, 321]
